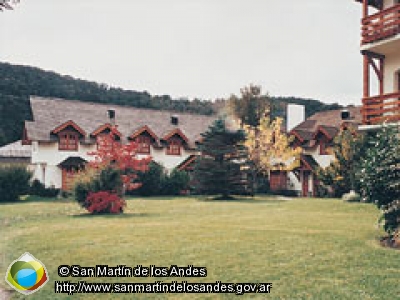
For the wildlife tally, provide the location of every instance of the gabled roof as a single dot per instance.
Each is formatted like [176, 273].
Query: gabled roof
[327, 121]
[176, 131]
[329, 131]
[67, 124]
[309, 162]
[50, 113]
[143, 129]
[104, 127]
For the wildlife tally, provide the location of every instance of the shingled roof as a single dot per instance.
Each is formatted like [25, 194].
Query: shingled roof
[330, 120]
[49, 113]
[327, 123]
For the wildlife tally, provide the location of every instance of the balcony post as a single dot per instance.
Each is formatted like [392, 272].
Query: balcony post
[365, 8]
[366, 76]
[381, 75]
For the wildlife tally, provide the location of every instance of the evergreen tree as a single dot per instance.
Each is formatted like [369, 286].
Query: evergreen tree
[379, 176]
[379, 172]
[223, 167]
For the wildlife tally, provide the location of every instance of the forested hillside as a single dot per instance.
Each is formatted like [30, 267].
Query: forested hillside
[18, 82]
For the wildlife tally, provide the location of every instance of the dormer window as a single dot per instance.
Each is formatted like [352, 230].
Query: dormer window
[68, 136]
[174, 146]
[143, 142]
[68, 140]
[144, 137]
[322, 147]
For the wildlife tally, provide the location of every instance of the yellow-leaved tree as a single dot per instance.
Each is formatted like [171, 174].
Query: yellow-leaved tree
[270, 148]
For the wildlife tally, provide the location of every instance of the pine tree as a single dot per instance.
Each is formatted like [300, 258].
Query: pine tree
[222, 168]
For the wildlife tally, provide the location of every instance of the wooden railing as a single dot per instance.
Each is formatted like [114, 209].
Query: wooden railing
[382, 108]
[381, 25]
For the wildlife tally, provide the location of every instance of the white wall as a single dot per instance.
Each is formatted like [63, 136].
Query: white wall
[392, 65]
[46, 157]
[294, 183]
[295, 115]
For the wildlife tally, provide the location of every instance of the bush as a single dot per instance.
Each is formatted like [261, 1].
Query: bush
[152, 181]
[93, 181]
[104, 202]
[176, 183]
[351, 197]
[391, 217]
[156, 181]
[38, 189]
[14, 181]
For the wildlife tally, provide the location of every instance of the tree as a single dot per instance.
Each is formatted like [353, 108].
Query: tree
[250, 107]
[270, 148]
[379, 175]
[222, 168]
[340, 174]
[101, 185]
[111, 153]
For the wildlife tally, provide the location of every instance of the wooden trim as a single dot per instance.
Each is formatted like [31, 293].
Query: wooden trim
[67, 124]
[365, 76]
[293, 132]
[321, 129]
[143, 144]
[174, 146]
[374, 108]
[25, 140]
[68, 140]
[184, 166]
[104, 127]
[142, 129]
[178, 132]
[381, 25]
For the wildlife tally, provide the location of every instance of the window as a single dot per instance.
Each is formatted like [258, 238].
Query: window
[68, 141]
[174, 146]
[143, 144]
[322, 147]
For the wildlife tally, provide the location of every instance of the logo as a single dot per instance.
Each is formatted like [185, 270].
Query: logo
[27, 274]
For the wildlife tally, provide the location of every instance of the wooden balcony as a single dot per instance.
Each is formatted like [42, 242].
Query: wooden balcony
[382, 108]
[381, 25]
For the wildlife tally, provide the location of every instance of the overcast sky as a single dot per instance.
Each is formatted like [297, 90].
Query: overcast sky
[194, 48]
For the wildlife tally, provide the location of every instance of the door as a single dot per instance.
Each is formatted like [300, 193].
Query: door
[68, 175]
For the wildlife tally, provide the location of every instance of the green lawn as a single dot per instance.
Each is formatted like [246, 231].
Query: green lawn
[307, 248]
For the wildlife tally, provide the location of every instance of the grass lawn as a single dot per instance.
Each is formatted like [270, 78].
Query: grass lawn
[307, 248]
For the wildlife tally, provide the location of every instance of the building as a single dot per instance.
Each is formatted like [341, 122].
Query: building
[380, 47]
[63, 132]
[16, 153]
[315, 136]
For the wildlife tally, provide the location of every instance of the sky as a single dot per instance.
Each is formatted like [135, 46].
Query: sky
[204, 49]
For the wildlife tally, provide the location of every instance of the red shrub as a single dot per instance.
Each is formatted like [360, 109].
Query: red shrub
[104, 202]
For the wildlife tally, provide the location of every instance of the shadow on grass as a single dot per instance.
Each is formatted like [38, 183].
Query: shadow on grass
[240, 200]
[33, 199]
[112, 216]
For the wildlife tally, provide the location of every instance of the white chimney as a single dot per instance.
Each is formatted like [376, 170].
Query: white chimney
[295, 114]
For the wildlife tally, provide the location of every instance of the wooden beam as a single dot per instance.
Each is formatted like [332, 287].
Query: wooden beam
[365, 8]
[365, 76]
[381, 77]
[372, 54]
